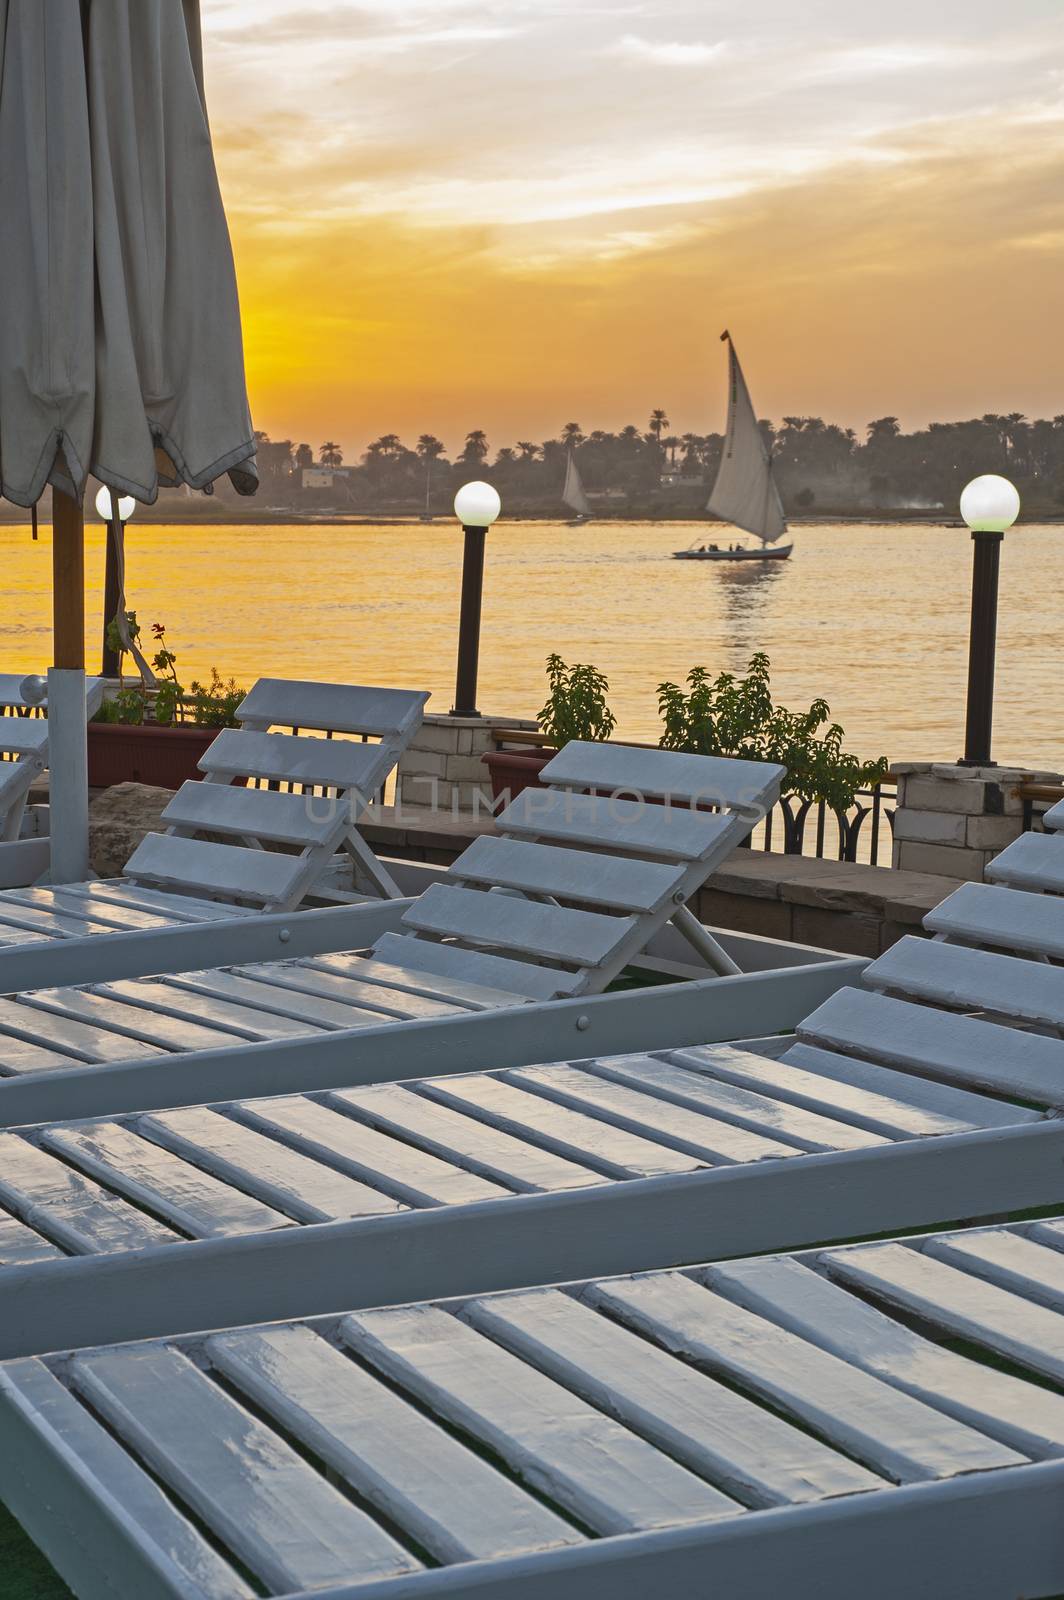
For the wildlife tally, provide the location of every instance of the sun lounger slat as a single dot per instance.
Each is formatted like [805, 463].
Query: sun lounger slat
[296, 759]
[583, 1460]
[454, 1504]
[795, 1297]
[618, 883]
[258, 990]
[178, 907]
[107, 1010]
[410, 1175]
[94, 909]
[612, 1150]
[889, 1432]
[1007, 919]
[51, 923]
[475, 973]
[228, 1021]
[901, 1101]
[191, 1200]
[306, 1189]
[447, 1133]
[251, 813]
[957, 1301]
[184, 1557]
[754, 1457]
[1054, 817]
[973, 980]
[265, 876]
[1009, 1260]
[1033, 861]
[761, 1113]
[66, 1206]
[640, 1109]
[342, 707]
[958, 1049]
[20, 1245]
[19, 1055]
[68, 1035]
[290, 1527]
[671, 832]
[612, 768]
[307, 980]
[507, 923]
[23, 736]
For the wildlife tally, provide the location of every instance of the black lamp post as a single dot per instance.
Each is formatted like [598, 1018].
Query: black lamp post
[989, 505]
[476, 505]
[113, 586]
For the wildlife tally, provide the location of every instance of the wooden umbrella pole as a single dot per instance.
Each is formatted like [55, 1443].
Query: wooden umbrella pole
[68, 784]
[68, 582]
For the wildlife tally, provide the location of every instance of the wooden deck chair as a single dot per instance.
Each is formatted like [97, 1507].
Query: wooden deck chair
[401, 1187]
[318, 789]
[883, 1419]
[556, 906]
[24, 748]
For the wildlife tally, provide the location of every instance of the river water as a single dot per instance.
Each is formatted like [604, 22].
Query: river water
[872, 618]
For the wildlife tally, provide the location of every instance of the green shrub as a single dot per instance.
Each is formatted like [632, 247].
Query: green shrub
[576, 707]
[730, 716]
[211, 705]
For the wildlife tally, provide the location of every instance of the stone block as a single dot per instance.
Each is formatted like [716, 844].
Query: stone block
[849, 932]
[992, 833]
[119, 819]
[467, 769]
[945, 861]
[930, 827]
[940, 794]
[769, 919]
[904, 769]
[424, 763]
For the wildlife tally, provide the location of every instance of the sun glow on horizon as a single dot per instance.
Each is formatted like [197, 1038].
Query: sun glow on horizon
[461, 213]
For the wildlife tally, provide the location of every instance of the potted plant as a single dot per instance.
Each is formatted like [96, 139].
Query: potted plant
[730, 716]
[157, 733]
[576, 708]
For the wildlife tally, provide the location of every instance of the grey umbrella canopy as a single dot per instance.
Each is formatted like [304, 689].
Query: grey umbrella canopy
[120, 343]
[119, 321]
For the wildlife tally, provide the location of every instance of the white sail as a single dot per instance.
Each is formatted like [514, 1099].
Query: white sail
[745, 492]
[573, 493]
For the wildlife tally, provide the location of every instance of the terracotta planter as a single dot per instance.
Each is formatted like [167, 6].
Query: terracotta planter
[514, 770]
[163, 757]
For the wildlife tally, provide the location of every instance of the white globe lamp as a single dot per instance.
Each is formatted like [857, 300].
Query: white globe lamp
[990, 504]
[476, 505]
[126, 505]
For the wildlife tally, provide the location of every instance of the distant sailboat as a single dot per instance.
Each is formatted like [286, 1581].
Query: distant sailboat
[745, 493]
[573, 493]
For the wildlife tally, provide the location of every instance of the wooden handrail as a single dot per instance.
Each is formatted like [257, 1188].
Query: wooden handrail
[1040, 791]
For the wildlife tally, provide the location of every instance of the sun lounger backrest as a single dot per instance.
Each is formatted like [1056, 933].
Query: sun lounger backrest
[24, 745]
[317, 788]
[577, 883]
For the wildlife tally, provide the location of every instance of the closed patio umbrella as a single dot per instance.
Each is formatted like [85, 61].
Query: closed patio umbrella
[120, 343]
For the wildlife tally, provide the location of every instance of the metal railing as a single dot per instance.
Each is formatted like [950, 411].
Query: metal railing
[1038, 798]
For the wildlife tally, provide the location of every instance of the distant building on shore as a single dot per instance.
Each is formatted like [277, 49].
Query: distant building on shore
[325, 477]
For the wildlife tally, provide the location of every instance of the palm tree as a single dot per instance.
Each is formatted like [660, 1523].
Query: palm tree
[671, 444]
[304, 456]
[658, 422]
[331, 455]
[529, 451]
[429, 448]
[476, 445]
[572, 435]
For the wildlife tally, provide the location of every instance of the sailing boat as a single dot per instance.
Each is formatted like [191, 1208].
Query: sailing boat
[573, 493]
[745, 493]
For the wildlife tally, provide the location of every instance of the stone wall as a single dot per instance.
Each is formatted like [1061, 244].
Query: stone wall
[442, 769]
[954, 820]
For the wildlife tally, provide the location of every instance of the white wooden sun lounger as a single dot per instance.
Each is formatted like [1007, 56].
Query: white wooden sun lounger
[176, 883]
[162, 1221]
[23, 758]
[574, 887]
[791, 1424]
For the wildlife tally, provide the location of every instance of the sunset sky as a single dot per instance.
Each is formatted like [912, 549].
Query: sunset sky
[515, 213]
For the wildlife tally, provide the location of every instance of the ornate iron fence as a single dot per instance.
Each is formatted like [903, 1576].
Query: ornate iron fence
[864, 833]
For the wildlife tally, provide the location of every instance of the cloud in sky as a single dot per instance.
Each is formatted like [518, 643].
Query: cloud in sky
[410, 181]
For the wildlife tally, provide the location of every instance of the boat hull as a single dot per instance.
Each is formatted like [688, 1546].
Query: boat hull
[780, 553]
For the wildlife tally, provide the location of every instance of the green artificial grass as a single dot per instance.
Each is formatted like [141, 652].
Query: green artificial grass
[24, 1573]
